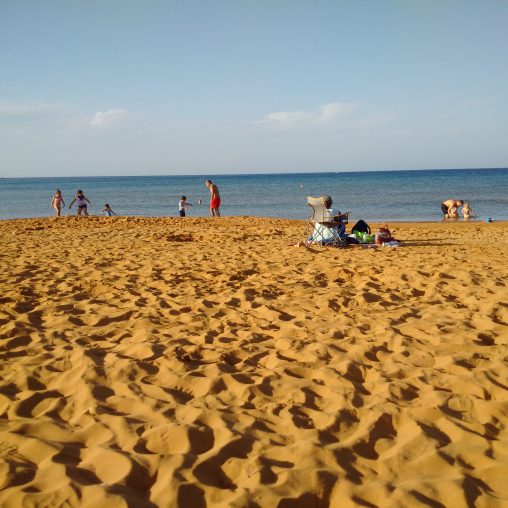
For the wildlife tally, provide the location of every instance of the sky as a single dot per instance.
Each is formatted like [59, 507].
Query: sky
[147, 87]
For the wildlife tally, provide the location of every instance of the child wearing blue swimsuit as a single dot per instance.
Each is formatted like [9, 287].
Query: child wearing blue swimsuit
[107, 210]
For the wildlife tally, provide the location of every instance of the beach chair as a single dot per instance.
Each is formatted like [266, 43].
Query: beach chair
[322, 228]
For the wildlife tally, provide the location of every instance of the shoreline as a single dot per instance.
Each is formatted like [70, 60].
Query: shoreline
[256, 217]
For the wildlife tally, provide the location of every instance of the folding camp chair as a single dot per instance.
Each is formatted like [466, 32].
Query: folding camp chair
[323, 229]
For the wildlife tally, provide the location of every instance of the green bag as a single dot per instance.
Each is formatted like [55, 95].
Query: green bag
[363, 237]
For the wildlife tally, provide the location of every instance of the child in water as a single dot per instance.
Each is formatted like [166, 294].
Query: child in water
[82, 203]
[182, 206]
[467, 211]
[107, 210]
[57, 202]
[453, 212]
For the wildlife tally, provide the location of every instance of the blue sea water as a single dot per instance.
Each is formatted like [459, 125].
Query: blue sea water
[372, 196]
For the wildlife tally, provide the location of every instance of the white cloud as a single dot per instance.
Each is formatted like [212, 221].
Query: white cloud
[107, 118]
[286, 118]
[334, 111]
[343, 115]
[331, 112]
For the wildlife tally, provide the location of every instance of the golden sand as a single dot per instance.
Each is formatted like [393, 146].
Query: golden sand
[192, 363]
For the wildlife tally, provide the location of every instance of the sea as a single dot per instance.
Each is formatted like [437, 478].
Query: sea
[372, 196]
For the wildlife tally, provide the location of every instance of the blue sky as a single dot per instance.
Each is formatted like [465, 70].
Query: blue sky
[120, 87]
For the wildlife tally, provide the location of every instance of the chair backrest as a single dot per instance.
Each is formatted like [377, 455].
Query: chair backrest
[319, 211]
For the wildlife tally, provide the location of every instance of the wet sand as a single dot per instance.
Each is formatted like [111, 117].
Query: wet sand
[192, 363]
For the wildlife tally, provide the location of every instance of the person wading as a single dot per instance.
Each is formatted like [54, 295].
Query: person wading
[214, 199]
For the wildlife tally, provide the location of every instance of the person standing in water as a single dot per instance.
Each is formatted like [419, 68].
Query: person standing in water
[448, 205]
[82, 201]
[214, 199]
[57, 202]
[467, 211]
[182, 206]
[107, 210]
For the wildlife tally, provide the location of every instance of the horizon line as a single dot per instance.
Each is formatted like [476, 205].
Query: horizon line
[205, 175]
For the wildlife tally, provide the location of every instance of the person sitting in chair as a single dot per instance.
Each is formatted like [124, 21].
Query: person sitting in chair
[332, 229]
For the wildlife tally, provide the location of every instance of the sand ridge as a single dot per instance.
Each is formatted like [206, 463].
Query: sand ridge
[198, 362]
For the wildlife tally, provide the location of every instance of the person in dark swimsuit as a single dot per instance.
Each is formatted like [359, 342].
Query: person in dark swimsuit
[447, 205]
[82, 201]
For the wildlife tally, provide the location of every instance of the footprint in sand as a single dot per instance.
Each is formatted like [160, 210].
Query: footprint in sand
[173, 438]
[38, 404]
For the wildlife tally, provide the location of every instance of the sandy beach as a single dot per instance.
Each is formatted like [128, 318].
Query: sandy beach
[202, 363]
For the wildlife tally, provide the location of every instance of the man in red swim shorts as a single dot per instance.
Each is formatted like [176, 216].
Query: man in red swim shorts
[214, 199]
